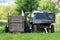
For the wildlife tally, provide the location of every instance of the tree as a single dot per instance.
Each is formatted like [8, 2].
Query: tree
[3, 12]
[12, 10]
[26, 5]
[5, 9]
[47, 5]
[29, 5]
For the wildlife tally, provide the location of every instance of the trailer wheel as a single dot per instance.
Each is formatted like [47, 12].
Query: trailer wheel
[32, 27]
[48, 29]
[52, 28]
[6, 29]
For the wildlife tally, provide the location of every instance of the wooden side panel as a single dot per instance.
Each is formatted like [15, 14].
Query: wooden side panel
[16, 27]
[16, 19]
[16, 23]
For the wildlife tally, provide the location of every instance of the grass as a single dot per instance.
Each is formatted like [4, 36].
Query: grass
[30, 36]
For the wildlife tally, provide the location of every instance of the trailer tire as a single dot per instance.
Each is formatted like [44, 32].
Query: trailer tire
[52, 28]
[48, 29]
[6, 29]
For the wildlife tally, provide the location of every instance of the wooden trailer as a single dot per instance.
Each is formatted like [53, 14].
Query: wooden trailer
[15, 24]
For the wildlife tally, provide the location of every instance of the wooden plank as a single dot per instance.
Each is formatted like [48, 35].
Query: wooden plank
[16, 27]
[16, 23]
[16, 19]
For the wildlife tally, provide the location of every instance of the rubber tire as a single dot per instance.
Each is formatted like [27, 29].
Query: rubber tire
[52, 28]
[6, 29]
[48, 29]
[32, 27]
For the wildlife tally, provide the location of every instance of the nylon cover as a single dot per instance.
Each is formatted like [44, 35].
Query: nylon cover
[48, 16]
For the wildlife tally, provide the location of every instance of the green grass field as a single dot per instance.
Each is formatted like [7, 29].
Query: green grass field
[30, 36]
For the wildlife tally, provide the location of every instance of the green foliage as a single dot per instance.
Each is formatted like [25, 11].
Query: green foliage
[47, 5]
[3, 12]
[26, 5]
[13, 10]
[5, 9]
[29, 5]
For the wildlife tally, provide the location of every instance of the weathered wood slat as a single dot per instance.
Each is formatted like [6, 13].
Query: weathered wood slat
[16, 23]
[16, 19]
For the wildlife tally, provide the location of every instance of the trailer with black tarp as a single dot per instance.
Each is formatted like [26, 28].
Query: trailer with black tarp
[42, 20]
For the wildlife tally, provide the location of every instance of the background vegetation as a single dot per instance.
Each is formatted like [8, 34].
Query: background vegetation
[29, 5]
